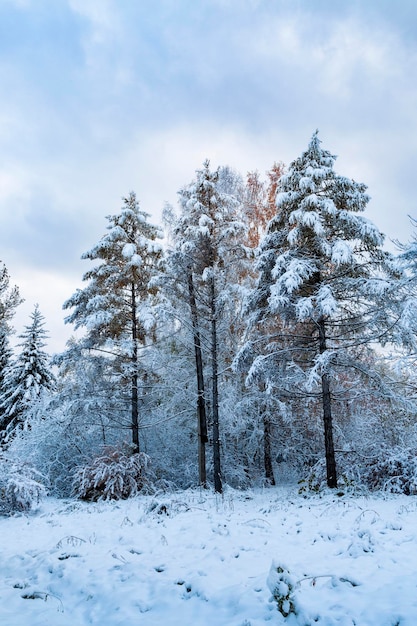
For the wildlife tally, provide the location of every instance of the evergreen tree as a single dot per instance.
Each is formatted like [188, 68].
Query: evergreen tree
[115, 307]
[5, 358]
[320, 293]
[28, 377]
[404, 303]
[9, 300]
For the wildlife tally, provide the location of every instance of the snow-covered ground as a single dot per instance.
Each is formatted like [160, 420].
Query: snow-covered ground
[193, 558]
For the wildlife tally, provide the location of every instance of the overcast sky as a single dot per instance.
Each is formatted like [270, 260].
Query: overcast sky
[101, 97]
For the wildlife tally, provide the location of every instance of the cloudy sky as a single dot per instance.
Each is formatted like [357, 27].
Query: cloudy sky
[101, 97]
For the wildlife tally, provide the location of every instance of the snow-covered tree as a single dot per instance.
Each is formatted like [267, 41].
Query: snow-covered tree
[179, 301]
[320, 293]
[5, 357]
[9, 300]
[258, 208]
[28, 378]
[208, 254]
[404, 305]
[70, 427]
[115, 307]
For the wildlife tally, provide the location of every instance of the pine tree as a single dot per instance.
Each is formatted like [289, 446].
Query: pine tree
[322, 279]
[404, 304]
[9, 300]
[28, 377]
[115, 307]
[5, 357]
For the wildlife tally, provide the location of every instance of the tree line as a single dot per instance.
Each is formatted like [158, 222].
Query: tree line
[264, 334]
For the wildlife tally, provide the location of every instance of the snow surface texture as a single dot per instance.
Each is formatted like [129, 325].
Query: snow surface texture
[196, 559]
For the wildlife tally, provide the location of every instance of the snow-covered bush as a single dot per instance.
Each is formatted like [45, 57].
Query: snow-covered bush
[385, 469]
[282, 585]
[59, 441]
[394, 471]
[20, 487]
[113, 475]
[351, 470]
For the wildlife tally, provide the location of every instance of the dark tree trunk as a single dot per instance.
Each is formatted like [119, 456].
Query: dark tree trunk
[269, 472]
[134, 378]
[215, 392]
[266, 422]
[327, 414]
[201, 402]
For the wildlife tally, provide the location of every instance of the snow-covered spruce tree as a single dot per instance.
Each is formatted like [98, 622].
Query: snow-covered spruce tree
[28, 378]
[5, 358]
[208, 250]
[116, 306]
[70, 427]
[404, 309]
[9, 300]
[320, 292]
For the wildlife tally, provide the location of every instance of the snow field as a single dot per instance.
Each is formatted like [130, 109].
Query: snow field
[193, 558]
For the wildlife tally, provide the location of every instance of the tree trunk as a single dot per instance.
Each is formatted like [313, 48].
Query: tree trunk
[327, 414]
[134, 378]
[215, 392]
[269, 472]
[201, 403]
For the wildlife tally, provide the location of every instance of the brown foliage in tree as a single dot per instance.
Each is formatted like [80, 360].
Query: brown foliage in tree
[260, 204]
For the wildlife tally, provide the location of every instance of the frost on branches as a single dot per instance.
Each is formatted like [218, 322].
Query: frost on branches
[27, 378]
[113, 475]
[323, 280]
[116, 307]
[21, 486]
[208, 259]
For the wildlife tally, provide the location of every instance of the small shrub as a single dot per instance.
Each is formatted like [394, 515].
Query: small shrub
[349, 476]
[282, 585]
[388, 469]
[394, 471]
[315, 480]
[114, 475]
[20, 487]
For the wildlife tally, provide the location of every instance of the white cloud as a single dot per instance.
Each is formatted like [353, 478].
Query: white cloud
[102, 15]
[138, 95]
